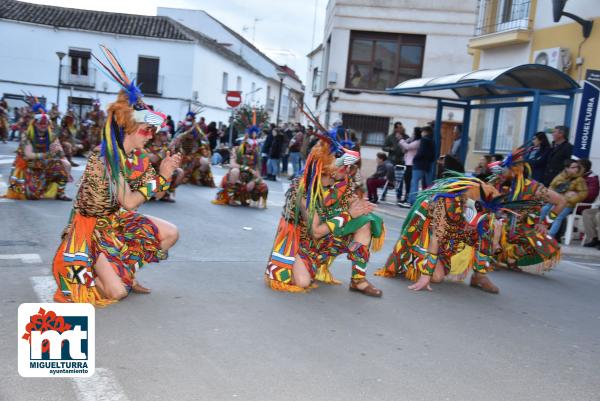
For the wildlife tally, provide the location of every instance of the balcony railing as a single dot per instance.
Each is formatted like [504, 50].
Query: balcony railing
[502, 15]
[82, 79]
[149, 84]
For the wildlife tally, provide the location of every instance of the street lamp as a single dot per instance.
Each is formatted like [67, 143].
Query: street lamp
[281, 75]
[60, 57]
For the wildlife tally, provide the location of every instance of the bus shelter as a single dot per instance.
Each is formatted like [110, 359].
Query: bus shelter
[502, 108]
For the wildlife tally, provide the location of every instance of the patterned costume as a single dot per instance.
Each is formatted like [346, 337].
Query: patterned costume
[94, 133]
[448, 210]
[249, 187]
[306, 198]
[41, 173]
[157, 150]
[195, 160]
[99, 225]
[4, 127]
[532, 251]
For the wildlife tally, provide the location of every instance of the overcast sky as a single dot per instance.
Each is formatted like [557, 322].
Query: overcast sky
[284, 32]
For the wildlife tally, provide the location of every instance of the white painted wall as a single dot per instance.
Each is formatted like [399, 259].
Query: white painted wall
[448, 26]
[586, 9]
[38, 65]
[505, 56]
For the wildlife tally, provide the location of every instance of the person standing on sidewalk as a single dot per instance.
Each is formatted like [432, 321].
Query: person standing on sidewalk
[421, 164]
[294, 148]
[410, 147]
[275, 154]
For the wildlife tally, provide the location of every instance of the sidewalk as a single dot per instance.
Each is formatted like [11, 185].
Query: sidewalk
[574, 250]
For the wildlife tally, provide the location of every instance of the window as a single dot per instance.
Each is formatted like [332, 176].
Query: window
[238, 83]
[225, 84]
[379, 60]
[315, 79]
[147, 75]
[80, 60]
[252, 91]
[268, 92]
[80, 106]
[502, 15]
[370, 130]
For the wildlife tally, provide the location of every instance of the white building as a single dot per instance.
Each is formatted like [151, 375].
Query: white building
[177, 66]
[369, 46]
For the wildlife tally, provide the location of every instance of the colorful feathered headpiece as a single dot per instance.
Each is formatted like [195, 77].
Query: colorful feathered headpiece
[128, 108]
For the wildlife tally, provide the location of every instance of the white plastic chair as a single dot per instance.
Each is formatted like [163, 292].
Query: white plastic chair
[572, 219]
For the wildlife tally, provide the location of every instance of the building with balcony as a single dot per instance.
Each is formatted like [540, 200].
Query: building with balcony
[509, 33]
[369, 46]
[177, 66]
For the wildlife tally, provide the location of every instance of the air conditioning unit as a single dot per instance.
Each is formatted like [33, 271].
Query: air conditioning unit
[553, 57]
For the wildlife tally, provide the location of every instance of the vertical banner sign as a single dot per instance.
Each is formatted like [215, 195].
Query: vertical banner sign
[587, 114]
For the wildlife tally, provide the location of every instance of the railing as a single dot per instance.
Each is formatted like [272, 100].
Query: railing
[502, 15]
[150, 84]
[87, 80]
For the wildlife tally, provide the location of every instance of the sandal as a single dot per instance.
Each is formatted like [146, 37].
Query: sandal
[369, 290]
[140, 289]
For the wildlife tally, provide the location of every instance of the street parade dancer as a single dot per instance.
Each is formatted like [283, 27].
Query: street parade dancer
[194, 148]
[242, 183]
[325, 215]
[94, 132]
[39, 170]
[106, 241]
[157, 149]
[67, 136]
[526, 244]
[456, 217]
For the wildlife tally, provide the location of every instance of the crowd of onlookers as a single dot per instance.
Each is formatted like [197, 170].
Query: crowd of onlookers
[551, 164]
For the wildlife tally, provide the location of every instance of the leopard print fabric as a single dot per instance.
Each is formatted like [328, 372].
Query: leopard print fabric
[94, 197]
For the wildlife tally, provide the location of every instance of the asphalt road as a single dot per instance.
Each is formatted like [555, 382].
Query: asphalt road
[211, 330]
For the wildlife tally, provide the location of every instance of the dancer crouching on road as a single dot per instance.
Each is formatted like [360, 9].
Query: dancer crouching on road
[106, 240]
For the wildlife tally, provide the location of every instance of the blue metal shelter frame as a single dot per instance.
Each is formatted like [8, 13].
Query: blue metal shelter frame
[528, 85]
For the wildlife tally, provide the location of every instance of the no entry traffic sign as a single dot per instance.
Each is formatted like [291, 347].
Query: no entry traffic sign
[233, 98]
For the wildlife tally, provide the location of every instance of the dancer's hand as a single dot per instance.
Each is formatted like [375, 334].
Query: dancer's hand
[360, 207]
[169, 164]
[422, 282]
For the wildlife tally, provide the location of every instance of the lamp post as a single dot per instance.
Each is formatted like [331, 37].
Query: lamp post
[281, 76]
[60, 57]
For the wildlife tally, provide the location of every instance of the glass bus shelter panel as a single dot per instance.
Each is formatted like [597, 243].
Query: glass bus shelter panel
[512, 123]
[550, 116]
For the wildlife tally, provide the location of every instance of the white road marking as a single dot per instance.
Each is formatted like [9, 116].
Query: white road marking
[102, 386]
[28, 258]
[44, 287]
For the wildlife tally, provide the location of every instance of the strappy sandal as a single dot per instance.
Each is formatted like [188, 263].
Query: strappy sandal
[369, 290]
[140, 289]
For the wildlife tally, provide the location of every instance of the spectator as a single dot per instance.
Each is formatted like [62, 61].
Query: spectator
[591, 180]
[266, 149]
[275, 154]
[421, 164]
[591, 227]
[287, 135]
[392, 146]
[572, 186]
[307, 143]
[202, 124]
[538, 156]
[560, 152]
[213, 135]
[294, 148]
[482, 171]
[383, 174]
[171, 124]
[455, 151]
[449, 163]
[410, 148]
